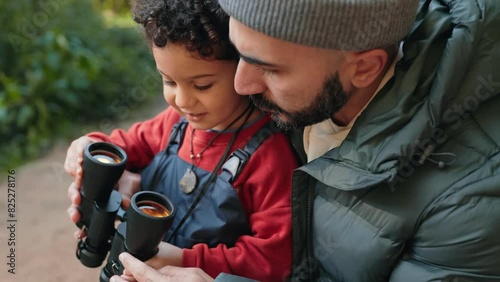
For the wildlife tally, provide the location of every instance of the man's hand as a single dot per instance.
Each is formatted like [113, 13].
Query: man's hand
[136, 270]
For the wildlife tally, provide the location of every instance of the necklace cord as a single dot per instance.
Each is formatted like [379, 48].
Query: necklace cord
[194, 157]
[249, 110]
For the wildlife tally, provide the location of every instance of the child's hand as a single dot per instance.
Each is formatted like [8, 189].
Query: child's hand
[74, 158]
[129, 184]
[167, 255]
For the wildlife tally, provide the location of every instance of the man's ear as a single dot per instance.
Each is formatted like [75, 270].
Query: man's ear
[367, 66]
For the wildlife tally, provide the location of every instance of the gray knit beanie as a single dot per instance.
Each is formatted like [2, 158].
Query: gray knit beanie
[353, 25]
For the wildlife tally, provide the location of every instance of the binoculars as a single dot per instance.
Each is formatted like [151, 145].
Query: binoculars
[141, 228]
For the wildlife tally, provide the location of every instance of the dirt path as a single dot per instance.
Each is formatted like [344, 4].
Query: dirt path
[43, 234]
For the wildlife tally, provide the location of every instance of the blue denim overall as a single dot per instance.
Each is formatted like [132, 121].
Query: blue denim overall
[218, 217]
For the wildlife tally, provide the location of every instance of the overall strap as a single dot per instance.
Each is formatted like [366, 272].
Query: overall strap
[176, 138]
[177, 133]
[239, 158]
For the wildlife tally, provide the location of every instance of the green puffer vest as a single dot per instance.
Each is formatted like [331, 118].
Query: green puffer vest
[413, 193]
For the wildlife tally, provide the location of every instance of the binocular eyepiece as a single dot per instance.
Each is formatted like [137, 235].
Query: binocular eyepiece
[103, 165]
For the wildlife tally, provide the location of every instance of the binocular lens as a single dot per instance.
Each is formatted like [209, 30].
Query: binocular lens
[105, 157]
[153, 209]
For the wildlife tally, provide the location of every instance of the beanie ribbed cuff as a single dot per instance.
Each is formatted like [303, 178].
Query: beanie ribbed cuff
[353, 25]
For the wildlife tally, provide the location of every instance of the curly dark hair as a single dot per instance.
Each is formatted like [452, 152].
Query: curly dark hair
[201, 25]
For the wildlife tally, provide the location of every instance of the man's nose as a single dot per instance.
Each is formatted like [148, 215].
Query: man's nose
[248, 80]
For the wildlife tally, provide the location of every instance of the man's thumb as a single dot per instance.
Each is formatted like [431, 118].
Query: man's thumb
[139, 269]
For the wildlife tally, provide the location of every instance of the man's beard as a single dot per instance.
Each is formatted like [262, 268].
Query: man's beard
[329, 101]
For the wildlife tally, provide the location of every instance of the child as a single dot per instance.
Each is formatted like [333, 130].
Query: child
[236, 223]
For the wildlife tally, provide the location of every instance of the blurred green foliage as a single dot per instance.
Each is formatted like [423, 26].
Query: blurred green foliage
[63, 65]
[114, 6]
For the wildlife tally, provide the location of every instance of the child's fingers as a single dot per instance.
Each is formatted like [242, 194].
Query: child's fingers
[128, 184]
[75, 199]
[74, 194]
[78, 177]
[80, 234]
[73, 214]
[74, 155]
[73, 159]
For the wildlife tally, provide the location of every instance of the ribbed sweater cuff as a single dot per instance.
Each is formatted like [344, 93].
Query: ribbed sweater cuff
[189, 258]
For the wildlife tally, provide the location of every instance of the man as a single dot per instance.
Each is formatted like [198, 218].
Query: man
[401, 180]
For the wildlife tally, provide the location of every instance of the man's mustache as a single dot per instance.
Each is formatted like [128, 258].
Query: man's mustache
[264, 104]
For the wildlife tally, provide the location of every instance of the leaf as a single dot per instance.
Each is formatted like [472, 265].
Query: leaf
[42, 110]
[24, 115]
[62, 42]
[53, 59]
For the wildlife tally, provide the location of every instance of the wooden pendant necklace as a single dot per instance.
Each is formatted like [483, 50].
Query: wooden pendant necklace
[189, 180]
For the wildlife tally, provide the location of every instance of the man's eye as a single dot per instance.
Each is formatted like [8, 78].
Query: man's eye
[266, 71]
[203, 87]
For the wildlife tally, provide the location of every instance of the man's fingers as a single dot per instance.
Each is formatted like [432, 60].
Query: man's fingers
[127, 276]
[138, 269]
[117, 279]
[175, 273]
[143, 273]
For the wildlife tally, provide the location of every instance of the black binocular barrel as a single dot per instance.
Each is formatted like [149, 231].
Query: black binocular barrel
[149, 217]
[150, 211]
[95, 247]
[103, 165]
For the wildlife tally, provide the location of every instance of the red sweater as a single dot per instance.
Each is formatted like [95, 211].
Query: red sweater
[264, 188]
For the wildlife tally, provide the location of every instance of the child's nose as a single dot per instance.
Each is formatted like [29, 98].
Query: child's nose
[183, 99]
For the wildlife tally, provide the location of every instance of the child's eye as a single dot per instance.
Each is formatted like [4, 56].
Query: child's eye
[203, 87]
[168, 83]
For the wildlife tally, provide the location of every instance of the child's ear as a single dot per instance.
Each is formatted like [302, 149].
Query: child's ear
[367, 66]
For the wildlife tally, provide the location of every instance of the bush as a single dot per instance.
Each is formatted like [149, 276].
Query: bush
[62, 67]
